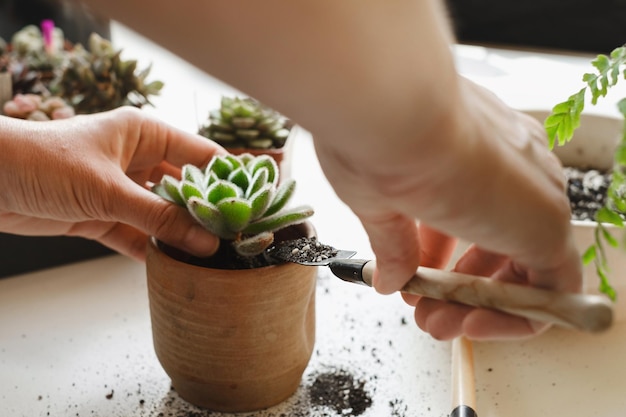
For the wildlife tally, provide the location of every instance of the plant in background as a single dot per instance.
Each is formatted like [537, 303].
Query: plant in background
[91, 80]
[98, 79]
[34, 59]
[36, 107]
[238, 199]
[560, 126]
[246, 123]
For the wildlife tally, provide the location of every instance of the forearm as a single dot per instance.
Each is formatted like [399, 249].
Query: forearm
[358, 72]
[505, 189]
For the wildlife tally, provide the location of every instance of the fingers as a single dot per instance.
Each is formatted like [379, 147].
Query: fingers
[158, 141]
[446, 320]
[436, 248]
[154, 216]
[395, 241]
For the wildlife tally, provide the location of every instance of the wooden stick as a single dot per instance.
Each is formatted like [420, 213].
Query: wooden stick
[463, 388]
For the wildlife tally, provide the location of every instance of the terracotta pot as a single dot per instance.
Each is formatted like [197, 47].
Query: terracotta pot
[231, 340]
[282, 156]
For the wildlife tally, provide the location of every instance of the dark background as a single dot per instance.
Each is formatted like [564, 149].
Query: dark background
[75, 19]
[597, 26]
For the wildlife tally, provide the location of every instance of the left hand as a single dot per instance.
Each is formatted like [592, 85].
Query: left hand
[89, 176]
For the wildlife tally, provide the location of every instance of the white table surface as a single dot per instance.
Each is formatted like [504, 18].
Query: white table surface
[75, 340]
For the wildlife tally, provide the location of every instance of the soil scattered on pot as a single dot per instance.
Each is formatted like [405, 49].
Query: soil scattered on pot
[304, 249]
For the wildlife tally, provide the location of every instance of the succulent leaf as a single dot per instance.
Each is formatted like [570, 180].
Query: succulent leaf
[254, 245]
[171, 187]
[236, 212]
[279, 220]
[282, 197]
[159, 189]
[189, 189]
[192, 174]
[258, 181]
[221, 166]
[264, 161]
[260, 201]
[241, 178]
[210, 217]
[220, 190]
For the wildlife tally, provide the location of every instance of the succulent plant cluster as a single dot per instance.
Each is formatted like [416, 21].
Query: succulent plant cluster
[246, 123]
[36, 107]
[98, 79]
[237, 198]
[90, 80]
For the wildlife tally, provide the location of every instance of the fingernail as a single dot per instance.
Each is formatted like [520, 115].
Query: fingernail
[200, 242]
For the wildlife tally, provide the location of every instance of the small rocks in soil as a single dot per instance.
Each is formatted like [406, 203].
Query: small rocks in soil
[586, 190]
[304, 249]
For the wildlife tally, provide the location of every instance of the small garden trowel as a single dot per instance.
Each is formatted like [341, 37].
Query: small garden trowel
[585, 312]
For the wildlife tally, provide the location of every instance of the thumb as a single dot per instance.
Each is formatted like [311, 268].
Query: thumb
[395, 242]
[164, 220]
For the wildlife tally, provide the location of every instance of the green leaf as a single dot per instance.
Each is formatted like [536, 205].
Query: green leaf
[260, 201]
[605, 215]
[192, 174]
[605, 287]
[282, 197]
[236, 161]
[254, 245]
[564, 119]
[154, 87]
[189, 189]
[210, 217]
[169, 189]
[240, 178]
[589, 255]
[259, 180]
[279, 220]
[265, 161]
[220, 190]
[236, 213]
[221, 166]
[620, 154]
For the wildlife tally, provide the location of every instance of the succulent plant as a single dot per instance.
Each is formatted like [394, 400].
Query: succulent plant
[36, 107]
[98, 79]
[246, 123]
[33, 65]
[236, 198]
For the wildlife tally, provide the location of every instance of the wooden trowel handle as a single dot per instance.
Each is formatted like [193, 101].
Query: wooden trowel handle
[586, 312]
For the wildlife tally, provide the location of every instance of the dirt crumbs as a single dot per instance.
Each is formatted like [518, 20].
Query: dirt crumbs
[304, 249]
[340, 391]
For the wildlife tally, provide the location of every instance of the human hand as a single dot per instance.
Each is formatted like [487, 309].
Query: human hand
[89, 175]
[484, 174]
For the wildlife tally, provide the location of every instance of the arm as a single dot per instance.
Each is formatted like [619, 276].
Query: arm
[86, 176]
[400, 135]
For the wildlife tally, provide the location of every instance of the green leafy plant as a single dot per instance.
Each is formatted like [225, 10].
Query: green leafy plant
[236, 198]
[246, 123]
[560, 126]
